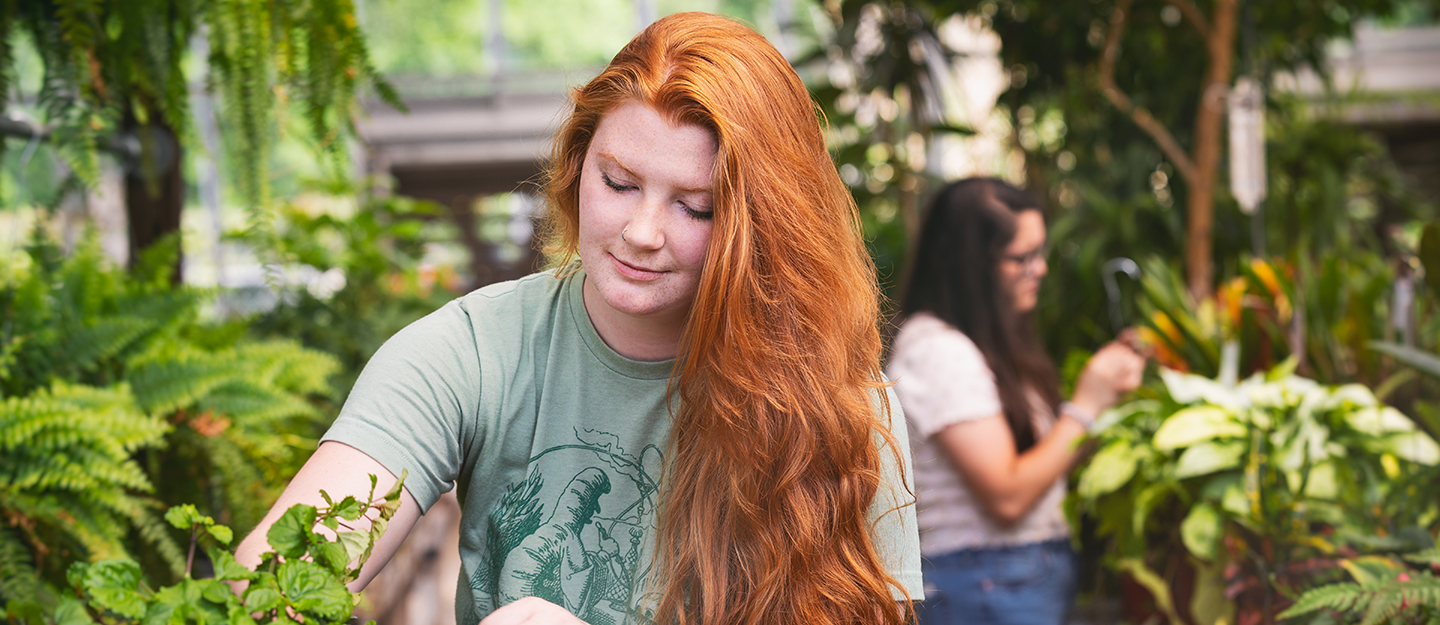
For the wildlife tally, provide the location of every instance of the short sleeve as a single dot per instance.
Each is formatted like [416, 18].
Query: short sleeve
[940, 376]
[409, 406]
[896, 534]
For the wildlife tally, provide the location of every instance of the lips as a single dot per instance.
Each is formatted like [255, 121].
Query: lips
[635, 272]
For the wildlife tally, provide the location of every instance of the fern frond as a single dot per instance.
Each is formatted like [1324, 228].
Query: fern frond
[156, 532]
[251, 405]
[18, 578]
[1427, 556]
[163, 387]
[1340, 597]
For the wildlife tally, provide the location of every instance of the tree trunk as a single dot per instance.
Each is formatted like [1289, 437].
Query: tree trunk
[1200, 194]
[154, 190]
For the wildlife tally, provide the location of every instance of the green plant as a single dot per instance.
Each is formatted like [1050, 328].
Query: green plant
[302, 580]
[1330, 309]
[1403, 598]
[1268, 485]
[114, 399]
[375, 244]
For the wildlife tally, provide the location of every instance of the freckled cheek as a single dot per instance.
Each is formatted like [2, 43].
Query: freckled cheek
[693, 252]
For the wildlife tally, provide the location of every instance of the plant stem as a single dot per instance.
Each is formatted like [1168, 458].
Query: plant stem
[190, 559]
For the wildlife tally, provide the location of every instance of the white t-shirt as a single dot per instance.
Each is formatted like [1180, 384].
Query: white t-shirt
[942, 379]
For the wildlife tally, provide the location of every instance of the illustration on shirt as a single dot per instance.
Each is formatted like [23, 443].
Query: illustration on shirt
[573, 537]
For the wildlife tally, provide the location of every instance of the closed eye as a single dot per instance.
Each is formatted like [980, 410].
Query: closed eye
[614, 186]
[703, 215]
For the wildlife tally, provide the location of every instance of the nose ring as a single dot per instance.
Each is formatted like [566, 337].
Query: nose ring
[623, 233]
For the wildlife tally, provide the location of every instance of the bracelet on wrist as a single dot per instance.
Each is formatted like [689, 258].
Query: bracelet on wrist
[1080, 415]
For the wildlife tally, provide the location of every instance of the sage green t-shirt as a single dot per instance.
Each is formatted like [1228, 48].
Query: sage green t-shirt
[555, 442]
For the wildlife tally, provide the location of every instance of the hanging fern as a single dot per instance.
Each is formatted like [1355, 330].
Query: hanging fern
[107, 61]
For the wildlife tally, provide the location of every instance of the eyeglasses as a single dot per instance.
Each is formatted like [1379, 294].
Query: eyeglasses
[1029, 260]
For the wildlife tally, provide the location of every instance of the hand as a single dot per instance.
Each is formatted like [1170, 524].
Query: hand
[1113, 371]
[531, 611]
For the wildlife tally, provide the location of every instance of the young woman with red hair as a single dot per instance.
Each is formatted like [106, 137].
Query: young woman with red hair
[685, 421]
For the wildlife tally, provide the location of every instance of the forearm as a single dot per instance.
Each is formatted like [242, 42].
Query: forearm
[1008, 484]
[341, 471]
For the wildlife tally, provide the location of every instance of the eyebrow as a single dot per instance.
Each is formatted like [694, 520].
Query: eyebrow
[611, 157]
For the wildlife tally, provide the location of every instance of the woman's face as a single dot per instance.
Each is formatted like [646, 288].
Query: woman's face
[645, 214]
[1022, 264]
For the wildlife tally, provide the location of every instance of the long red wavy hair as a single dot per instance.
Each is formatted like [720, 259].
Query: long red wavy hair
[773, 458]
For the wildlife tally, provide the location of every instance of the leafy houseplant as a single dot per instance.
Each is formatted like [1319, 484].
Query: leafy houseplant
[1269, 486]
[302, 581]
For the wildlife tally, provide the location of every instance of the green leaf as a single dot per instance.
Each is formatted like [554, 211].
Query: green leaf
[1429, 254]
[1193, 425]
[1416, 447]
[1379, 421]
[216, 591]
[1145, 502]
[1151, 581]
[1110, 469]
[290, 534]
[263, 595]
[392, 498]
[1208, 603]
[331, 555]
[1421, 360]
[113, 585]
[221, 533]
[185, 516]
[1285, 369]
[315, 590]
[1373, 569]
[356, 544]
[1201, 531]
[1321, 482]
[71, 612]
[1209, 457]
[227, 568]
[349, 509]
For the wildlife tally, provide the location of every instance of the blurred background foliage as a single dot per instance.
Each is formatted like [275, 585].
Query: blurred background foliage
[213, 395]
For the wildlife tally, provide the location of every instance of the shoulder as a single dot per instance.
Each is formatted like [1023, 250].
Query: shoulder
[537, 290]
[925, 341]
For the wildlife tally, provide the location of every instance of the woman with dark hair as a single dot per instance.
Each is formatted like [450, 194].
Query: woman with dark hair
[991, 438]
[684, 421]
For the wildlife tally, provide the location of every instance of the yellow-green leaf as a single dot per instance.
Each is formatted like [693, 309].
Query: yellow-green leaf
[1110, 469]
[1209, 457]
[1193, 425]
[1201, 530]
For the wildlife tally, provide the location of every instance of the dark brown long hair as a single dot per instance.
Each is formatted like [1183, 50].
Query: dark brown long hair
[773, 461]
[955, 276]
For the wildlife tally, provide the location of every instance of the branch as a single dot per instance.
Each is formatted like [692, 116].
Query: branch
[1142, 118]
[1194, 14]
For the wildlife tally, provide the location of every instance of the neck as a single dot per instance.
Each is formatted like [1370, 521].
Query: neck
[647, 339]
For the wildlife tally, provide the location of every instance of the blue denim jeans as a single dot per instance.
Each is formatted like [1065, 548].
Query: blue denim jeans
[1030, 584]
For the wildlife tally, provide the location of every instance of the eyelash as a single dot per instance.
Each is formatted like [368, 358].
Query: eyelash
[689, 212]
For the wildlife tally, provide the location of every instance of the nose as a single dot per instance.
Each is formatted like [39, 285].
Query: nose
[645, 228]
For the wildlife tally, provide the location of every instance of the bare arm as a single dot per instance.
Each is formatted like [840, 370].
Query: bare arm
[340, 470]
[1007, 483]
